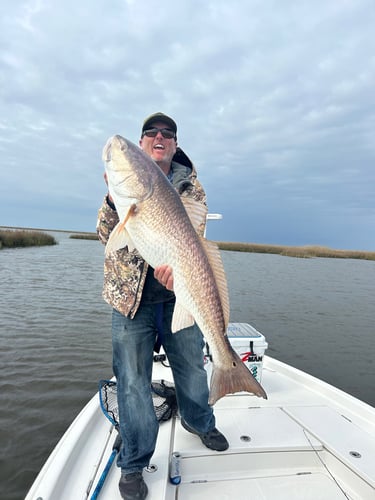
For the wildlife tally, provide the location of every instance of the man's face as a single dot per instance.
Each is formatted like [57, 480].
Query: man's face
[161, 149]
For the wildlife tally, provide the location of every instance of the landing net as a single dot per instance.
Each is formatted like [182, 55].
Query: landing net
[163, 397]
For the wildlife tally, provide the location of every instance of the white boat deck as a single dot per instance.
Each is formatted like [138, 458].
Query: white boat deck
[307, 441]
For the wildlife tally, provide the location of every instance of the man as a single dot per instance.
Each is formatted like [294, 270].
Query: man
[143, 301]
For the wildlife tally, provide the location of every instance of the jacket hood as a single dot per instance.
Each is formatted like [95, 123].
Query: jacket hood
[182, 158]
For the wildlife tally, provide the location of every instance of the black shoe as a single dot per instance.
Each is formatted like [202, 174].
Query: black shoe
[132, 486]
[212, 439]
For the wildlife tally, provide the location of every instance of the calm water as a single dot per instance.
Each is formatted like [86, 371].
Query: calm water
[317, 314]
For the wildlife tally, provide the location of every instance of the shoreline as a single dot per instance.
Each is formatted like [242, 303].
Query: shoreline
[305, 251]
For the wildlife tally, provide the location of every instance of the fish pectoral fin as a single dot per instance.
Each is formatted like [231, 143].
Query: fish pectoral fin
[181, 318]
[120, 237]
[196, 211]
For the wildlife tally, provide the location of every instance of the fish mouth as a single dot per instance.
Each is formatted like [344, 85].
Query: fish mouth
[113, 142]
[107, 151]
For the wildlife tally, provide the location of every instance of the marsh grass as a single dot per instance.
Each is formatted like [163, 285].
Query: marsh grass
[305, 252]
[16, 239]
[26, 238]
[308, 251]
[84, 236]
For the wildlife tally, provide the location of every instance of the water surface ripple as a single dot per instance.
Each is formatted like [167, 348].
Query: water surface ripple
[317, 314]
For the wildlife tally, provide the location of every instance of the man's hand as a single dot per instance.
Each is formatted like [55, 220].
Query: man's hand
[164, 275]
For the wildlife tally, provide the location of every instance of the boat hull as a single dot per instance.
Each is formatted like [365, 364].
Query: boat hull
[307, 437]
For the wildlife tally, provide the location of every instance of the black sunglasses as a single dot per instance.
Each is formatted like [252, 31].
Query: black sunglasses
[167, 133]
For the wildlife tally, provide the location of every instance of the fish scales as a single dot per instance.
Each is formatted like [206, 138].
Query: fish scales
[153, 220]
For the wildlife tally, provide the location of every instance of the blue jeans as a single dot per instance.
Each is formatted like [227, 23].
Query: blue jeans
[133, 342]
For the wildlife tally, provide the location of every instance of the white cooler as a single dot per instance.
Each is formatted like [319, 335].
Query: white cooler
[249, 344]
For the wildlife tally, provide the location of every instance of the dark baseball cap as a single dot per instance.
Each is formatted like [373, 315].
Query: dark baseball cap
[159, 117]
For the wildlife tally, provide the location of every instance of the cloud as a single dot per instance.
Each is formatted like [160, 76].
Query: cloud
[274, 103]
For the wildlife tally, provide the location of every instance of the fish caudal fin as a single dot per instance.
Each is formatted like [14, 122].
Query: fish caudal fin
[234, 379]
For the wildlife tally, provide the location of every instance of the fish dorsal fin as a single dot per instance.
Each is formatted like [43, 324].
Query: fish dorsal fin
[181, 318]
[119, 237]
[196, 211]
[214, 257]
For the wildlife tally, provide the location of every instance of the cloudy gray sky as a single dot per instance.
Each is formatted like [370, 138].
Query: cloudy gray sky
[274, 102]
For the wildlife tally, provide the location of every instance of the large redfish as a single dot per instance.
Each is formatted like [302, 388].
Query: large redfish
[161, 225]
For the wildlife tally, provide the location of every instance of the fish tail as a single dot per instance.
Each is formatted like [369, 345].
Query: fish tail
[235, 379]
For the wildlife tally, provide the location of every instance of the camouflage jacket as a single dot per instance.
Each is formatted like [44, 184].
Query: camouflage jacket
[125, 272]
